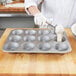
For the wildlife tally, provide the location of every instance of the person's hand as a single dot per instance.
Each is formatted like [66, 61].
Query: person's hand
[41, 21]
[59, 30]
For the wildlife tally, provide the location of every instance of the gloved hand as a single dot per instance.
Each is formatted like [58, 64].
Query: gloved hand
[41, 21]
[59, 30]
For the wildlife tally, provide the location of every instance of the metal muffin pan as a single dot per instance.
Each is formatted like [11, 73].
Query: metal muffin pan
[35, 41]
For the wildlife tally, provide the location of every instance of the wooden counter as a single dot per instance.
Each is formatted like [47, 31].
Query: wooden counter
[38, 64]
[3, 9]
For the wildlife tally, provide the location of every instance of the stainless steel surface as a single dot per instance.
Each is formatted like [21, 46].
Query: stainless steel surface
[14, 15]
[16, 20]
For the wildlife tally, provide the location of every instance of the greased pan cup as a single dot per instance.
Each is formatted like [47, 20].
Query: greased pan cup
[29, 38]
[44, 46]
[28, 46]
[11, 46]
[44, 38]
[35, 41]
[15, 38]
[30, 32]
[17, 32]
[63, 39]
[61, 46]
[43, 32]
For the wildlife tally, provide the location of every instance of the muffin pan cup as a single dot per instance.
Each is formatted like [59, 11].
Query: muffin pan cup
[35, 41]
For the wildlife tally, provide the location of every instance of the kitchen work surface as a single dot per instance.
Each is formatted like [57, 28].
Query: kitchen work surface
[35, 41]
[38, 64]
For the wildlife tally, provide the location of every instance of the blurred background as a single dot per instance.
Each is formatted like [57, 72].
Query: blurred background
[14, 17]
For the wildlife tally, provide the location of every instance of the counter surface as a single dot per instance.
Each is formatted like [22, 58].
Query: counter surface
[38, 64]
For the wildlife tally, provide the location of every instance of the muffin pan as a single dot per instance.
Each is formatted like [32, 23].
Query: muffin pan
[35, 41]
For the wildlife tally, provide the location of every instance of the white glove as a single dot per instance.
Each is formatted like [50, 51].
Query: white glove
[41, 21]
[59, 30]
